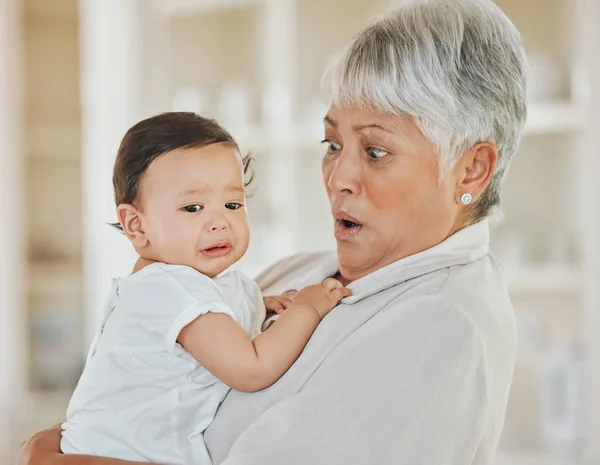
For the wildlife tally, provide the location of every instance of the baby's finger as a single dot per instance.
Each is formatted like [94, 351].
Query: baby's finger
[339, 293]
[330, 284]
[290, 294]
[279, 309]
[273, 305]
[336, 295]
[284, 301]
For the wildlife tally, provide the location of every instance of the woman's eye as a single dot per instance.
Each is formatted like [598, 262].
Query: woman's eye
[192, 208]
[233, 206]
[376, 153]
[331, 146]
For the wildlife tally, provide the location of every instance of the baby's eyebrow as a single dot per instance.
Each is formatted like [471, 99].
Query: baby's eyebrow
[230, 188]
[191, 191]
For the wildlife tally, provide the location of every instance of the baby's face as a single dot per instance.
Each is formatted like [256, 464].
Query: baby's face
[194, 208]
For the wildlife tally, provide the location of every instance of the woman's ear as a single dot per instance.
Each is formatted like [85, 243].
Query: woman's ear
[474, 171]
[131, 222]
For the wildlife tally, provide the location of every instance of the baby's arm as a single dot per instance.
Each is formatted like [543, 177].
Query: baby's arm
[221, 346]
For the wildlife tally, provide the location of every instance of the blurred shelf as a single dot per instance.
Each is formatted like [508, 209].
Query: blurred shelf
[532, 459]
[182, 8]
[549, 280]
[54, 10]
[49, 397]
[52, 279]
[558, 116]
[297, 137]
[53, 141]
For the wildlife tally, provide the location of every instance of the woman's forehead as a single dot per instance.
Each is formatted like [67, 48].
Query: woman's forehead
[359, 119]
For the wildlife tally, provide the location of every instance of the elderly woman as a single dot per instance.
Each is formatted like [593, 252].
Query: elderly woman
[427, 110]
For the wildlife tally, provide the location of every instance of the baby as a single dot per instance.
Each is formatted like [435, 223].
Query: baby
[178, 333]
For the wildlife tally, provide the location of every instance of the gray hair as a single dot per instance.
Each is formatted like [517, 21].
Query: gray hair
[457, 68]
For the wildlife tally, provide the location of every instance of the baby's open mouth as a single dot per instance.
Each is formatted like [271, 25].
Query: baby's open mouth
[217, 250]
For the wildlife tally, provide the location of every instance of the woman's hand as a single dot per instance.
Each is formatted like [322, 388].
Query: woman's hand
[41, 447]
[276, 304]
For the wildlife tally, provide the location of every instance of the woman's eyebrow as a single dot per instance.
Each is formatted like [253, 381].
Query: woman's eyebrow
[329, 121]
[360, 127]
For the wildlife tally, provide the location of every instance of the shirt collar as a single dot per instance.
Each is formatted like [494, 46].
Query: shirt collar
[465, 246]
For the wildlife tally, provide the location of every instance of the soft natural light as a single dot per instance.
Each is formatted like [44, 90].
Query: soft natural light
[75, 75]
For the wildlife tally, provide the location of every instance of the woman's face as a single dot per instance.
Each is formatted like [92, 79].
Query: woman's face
[387, 195]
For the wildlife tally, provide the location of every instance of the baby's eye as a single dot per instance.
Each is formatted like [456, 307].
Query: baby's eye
[233, 206]
[192, 208]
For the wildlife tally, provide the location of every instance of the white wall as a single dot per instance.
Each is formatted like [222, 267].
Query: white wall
[589, 200]
[11, 230]
[110, 104]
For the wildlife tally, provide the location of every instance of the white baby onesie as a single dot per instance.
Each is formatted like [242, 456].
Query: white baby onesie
[141, 396]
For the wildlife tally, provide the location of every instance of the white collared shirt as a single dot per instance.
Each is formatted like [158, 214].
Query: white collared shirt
[413, 369]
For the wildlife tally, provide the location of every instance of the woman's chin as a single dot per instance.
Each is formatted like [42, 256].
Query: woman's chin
[352, 263]
[350, 243]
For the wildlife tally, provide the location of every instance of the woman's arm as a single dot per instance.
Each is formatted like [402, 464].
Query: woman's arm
[221, 346]
[43, 448]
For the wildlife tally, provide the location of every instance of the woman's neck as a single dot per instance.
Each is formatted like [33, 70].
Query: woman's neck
[341, 279]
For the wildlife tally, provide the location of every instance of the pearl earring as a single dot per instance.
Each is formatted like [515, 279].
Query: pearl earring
[466, 198]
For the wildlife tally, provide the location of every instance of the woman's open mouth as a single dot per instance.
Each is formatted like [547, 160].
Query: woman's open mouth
[218, 250]
[346, 226]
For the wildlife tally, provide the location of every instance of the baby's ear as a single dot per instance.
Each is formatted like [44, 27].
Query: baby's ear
[131, 221]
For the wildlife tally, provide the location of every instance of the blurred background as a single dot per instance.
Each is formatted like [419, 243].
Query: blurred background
[74, 75]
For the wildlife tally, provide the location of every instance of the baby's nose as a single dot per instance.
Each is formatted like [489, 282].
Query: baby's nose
[220, 225]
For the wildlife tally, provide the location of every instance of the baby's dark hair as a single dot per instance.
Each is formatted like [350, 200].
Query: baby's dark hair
[158, 135]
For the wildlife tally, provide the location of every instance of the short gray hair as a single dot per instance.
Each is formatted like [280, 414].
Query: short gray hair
[457, 68]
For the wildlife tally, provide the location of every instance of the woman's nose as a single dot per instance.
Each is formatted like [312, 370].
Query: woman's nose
[345, 175]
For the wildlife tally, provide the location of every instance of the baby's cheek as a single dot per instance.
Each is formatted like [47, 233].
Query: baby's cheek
[241, 230]
[179, 236]
[246, 238]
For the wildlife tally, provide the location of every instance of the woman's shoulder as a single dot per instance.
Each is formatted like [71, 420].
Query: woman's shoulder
[297, 271]
[473, 299]
[481, 290]
[429, 310]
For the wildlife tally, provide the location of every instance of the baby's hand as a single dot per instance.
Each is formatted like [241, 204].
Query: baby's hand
[278, 303]
[322, 297]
